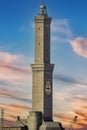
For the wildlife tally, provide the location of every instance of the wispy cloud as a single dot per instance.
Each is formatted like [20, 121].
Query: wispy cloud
[81, 113]
[76, 107]
[63, 117]
[58, 39]
[80, 97]
[69, 101]
[61, 26]
[67, 79]
[13, 77]
[61, 31]
[7, 93]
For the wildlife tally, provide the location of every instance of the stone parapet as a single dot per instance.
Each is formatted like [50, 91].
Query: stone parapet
[48, 67]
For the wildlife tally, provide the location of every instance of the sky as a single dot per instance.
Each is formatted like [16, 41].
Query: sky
[68, 53]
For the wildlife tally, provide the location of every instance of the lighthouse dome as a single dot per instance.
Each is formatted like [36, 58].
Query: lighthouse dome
[43, 10]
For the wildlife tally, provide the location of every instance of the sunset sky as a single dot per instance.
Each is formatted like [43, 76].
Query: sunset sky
[68, 53]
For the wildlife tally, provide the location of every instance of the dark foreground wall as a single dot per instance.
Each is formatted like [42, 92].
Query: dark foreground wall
[16, 128]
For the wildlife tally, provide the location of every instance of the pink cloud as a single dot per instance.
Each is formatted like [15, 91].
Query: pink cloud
[61, 32]
[17, 59]
[10, 58]
[8, 71]
[11, 67]
[79, 46]
[14, 108]
[15, 78]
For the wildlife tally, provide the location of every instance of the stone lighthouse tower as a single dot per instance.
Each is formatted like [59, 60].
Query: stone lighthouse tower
[42, 69]
[41, 116]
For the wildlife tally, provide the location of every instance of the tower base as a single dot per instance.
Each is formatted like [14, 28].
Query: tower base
[35, 122]
[51, 126]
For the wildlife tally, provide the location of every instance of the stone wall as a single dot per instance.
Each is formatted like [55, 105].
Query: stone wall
[12, 128]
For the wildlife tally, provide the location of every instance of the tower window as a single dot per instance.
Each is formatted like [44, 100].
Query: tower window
[38, 43]
[39, 28]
